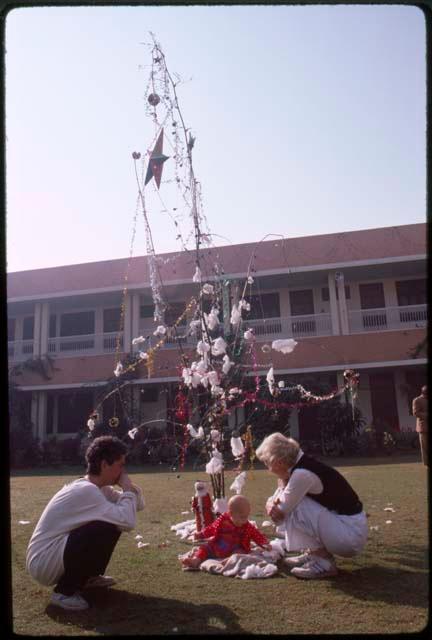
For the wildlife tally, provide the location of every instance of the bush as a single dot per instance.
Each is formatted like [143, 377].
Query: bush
[340, 425]
[25, 449]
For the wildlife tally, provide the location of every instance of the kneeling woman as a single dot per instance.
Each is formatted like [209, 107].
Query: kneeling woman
[318, 509]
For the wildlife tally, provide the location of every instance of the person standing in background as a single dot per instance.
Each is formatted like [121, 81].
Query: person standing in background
[420, 411]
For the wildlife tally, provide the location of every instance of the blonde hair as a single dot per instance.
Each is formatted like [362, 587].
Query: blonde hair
[278, 447]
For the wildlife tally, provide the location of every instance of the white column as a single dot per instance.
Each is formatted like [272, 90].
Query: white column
[127, 324]
[37, 330]
[226, 307]
[333, 304]
[44, 328]
[294, 424]
[135, 317]
[343, 312]
[42, 416]
[99, 329]
[34, 412]
[405, 420]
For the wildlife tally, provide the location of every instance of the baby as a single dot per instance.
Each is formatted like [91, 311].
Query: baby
[230, 533]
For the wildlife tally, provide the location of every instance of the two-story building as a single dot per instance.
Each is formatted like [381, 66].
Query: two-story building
[351, 300]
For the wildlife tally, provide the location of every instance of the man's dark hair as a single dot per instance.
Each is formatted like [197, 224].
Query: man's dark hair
[108, 448]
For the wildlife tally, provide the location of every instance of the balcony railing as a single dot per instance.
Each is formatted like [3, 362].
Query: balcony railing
[360, 321]
[91, 344]
[20, 350]
[388, 318]
[292, 326]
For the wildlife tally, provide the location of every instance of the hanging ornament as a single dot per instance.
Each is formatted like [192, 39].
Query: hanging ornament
[155, 165]
[114, 422]
[153, 99]
[136, 155]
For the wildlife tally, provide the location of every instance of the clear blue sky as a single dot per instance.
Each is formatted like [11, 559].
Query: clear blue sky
[308, 120]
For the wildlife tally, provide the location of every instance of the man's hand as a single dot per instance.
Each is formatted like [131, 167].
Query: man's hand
[125, 482]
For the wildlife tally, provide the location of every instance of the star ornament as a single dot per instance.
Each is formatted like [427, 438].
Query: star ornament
[155, 165]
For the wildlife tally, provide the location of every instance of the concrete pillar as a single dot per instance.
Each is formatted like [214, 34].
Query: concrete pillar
[135, 318]
[127, 324]
[34, 411]
[334, 313]
[44, 328]
[42, 416]
[343, 312]
[37, 330]
[226, 307]
[294, 424]
[406, 421]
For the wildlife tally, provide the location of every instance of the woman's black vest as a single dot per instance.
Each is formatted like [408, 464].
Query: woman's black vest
[338, 495]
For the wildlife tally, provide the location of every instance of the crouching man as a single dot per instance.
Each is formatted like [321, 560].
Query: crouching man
[317, 508]
[75, 537]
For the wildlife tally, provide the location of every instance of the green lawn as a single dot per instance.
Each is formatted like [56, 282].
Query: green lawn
[384, 590]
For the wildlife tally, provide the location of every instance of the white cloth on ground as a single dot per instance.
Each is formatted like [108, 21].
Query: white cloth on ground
[241, 565]
[76, 504]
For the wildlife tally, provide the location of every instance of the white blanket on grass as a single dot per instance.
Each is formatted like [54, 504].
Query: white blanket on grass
[256, 564]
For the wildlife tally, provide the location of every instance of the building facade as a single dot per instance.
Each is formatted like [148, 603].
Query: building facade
[351, 300]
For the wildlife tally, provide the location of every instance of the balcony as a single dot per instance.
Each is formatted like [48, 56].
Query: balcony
[308, 326]
[292, 326]
[388, 318]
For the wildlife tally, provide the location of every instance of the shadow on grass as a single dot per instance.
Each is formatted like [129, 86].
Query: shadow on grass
[385, 584]
[117, 612]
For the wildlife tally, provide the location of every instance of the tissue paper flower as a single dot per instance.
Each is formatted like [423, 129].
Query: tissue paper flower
[132, 433]
[237, 447]
[118, 369]
[202, 347]
[219, 346]
[197, 275]
[284, 346]
[212, 319]
[235, 314]
[160, 330]
[214, 466]
[249, 334]
[250, 280]
[143, 355]
[208, 288]
[138, 340]
[239, 482]
[227, 364]
[91, 424]
[215, 435]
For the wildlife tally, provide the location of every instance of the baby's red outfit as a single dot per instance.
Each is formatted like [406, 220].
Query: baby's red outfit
[227, 538]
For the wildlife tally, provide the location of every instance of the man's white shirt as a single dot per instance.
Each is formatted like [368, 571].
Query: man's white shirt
[76, 504]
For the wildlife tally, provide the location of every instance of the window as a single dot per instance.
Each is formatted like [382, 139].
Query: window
[11, 329]
[372, 295]
[111, 320]
[80, 323]
[149, 393]
[28, 328]
[173, 312]
[53, 326]
[325, 294]
[264, 306]
[146, 311]
[302, 302]
[411, 292]
[73, 410]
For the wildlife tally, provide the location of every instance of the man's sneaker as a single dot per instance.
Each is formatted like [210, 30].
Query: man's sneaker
[71, 603]
[297, 561]
[99, 581]
[316, 567]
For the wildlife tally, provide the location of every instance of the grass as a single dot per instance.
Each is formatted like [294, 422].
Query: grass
[384, 590]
